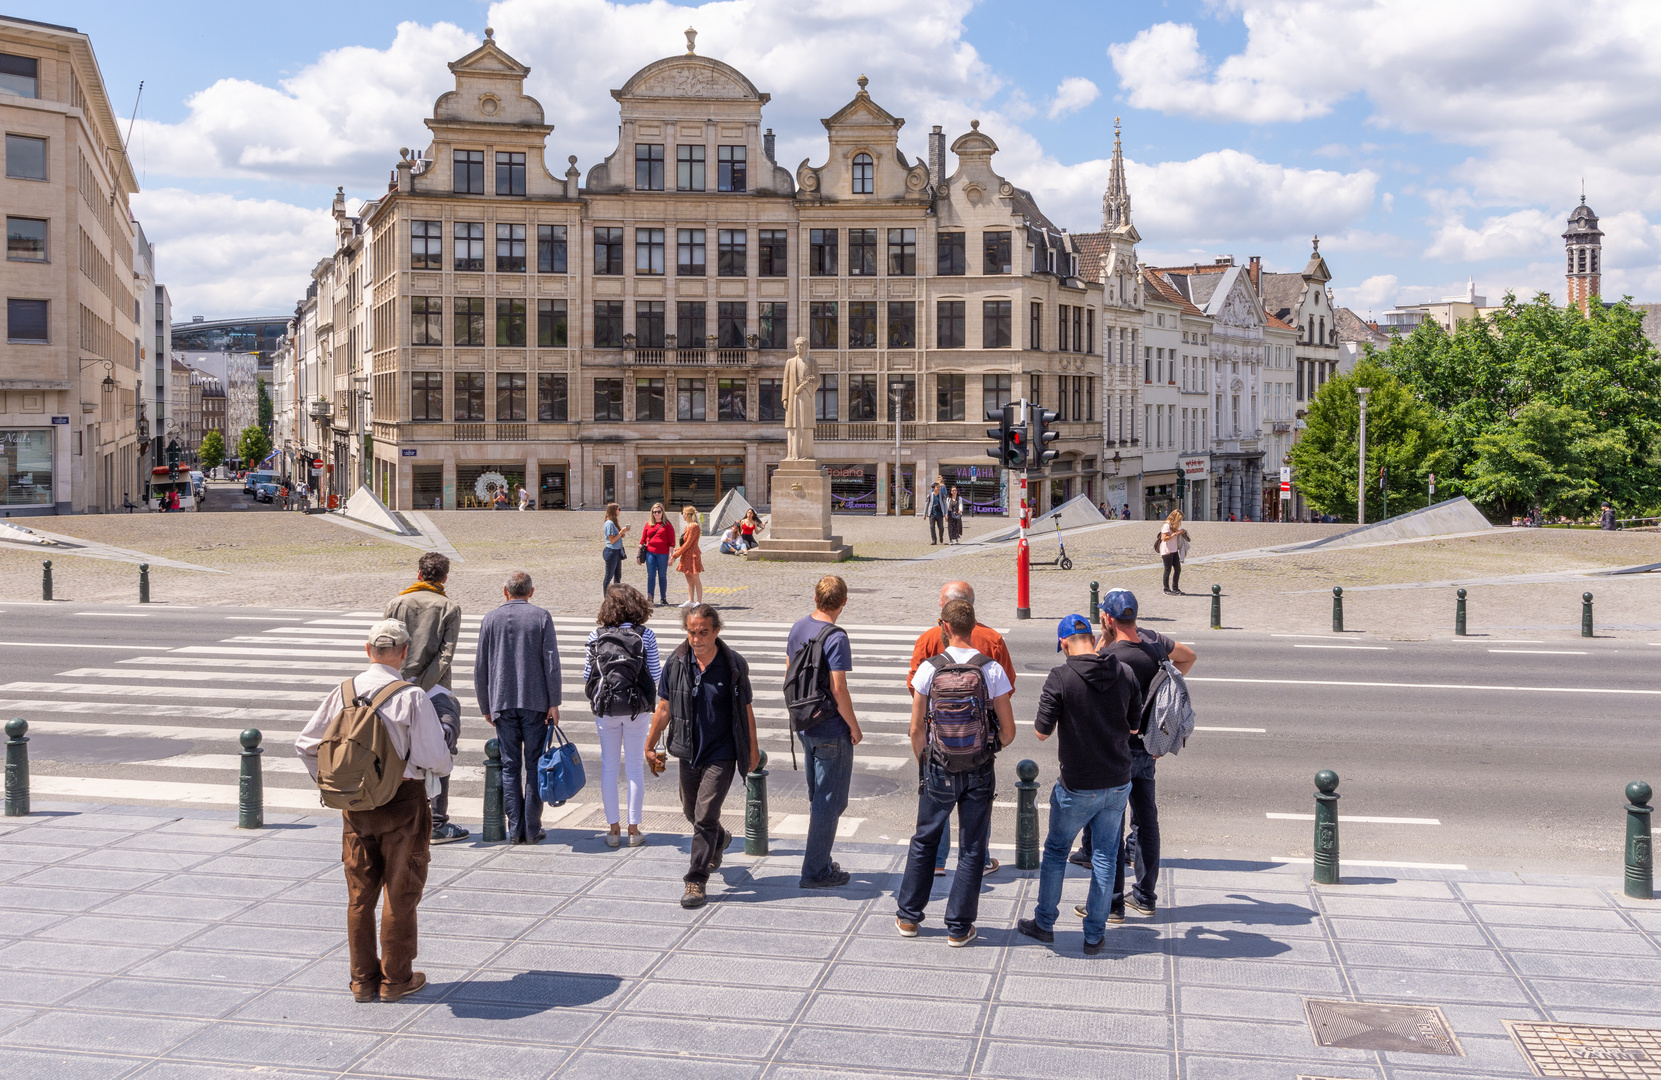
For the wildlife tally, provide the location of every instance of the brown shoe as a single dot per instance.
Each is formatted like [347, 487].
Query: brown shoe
[992, 866]
[694, 896]
[390, 993]
[370, 992]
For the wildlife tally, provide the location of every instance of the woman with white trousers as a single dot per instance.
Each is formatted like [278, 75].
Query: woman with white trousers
[620, 674]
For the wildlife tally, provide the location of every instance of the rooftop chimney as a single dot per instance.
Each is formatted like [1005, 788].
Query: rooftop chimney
[1256, 273]
[937, 157]
[767, 145]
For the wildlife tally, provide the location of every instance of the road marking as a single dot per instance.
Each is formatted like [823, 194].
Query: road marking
[1428, 686]
[1541, 652]
[263, 618]
[1371, 648]
[1238, 730]
[1357, 817]
[796, 825]
[1384, 863]
[116, 614]
[1495, 641]
[66, 645]
[199, 712]
[1317, 637]
[176, 693]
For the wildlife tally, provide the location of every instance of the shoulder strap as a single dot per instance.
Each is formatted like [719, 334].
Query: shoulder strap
[980, 659]
[348, 694]
[387, 692]
[939, 660]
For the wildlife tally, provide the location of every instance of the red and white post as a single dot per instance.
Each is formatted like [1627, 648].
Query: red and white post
[1023, 571]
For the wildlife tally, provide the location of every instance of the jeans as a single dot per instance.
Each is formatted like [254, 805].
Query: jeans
[937, 529]
[657, 569]
[623, 740]
[521, 735]
[614, 567]
[1141, 850]
[449, 718]
[385, 850]
[1103, 810]
[970, 793]
[703, 790]
[830, 769]
[1173, 571]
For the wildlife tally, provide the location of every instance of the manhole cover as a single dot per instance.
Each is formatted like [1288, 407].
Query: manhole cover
[1363, 1025]
[1588, 1050]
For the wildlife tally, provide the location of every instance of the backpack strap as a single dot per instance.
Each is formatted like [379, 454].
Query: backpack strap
[387, 692]
[348, 694]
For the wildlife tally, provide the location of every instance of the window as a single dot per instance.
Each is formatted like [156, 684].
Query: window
[821, 321]
[996, 257]
[648, 251]
[648, 399]
[469, 245]
[770, 400]
[730, 168]
[551, 324]
[1061, 325]
[902, 252]
[426, 316]
[772, 328]
[510, 249]
[648, 170]
[689, 168]
[689, 399]
[469, 321]
[426, 245]
[996, 324]
[773, 251]
[1060, 397]
[902, 398]
[510, 323]
[1089, 330]
[608, 251]
[863, 174]
[862, 252]
[862, 324]
[510, 173]
[552, 401]
[648, 324]
[550, 249]
[995, 392]
[1300, 380]
[25, 239]
[469, 172]
[1035, 386]
[689, 250]
[1035, 326]
[426, 395]
[469, 396]
[953, 253]
[731, 323]
[825, 399]
[1147, 364]
[1090, 399]
[510, 396]
[608, 325]
[1078, 397]
[949, 328]
[949, 392]
[821, 254]
[608, 398]
[729, 400]
[902, 324]
[862, 398]
[19, 75]
[730, 260]
[1078, 329]
[690, 324]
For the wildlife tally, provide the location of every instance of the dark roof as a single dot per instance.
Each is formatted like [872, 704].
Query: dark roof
[1092, 252]
[1168, 292]
[1352, 327]
[1282, 293]
[1022, 203]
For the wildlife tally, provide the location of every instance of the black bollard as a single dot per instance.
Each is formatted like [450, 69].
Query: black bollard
[1585, 614]
[17, 768]
[1337, 609]
[755, 809]
[46, 579]
[495, 817]
[1027, 854]
[1326, 827]
[250, 795]
[144, 583]
[1640, 857]
[1216, 607]
[1459, 615]
[1096, 602]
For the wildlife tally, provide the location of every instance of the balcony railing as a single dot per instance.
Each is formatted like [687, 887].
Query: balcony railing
[829, 431]
[511, 432]
[470, 432]
[690, 357]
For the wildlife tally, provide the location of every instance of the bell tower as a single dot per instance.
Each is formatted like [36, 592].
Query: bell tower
[1583, 242]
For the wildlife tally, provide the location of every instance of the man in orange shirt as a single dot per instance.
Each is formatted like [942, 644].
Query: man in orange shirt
[988, 642]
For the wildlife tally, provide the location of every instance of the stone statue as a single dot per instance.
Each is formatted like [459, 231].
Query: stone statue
[801, 380]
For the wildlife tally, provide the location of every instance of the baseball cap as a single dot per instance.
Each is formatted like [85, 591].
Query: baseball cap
[387, 634]
[1120, 603]
[1071, 626]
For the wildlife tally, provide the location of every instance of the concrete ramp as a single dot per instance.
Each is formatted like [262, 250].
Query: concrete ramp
[1452, 517]
[366, 508]
[730, 509]
[1073, 514]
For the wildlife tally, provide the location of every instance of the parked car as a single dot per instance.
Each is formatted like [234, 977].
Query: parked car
[266, 491]
[200, 483]
[252, 480]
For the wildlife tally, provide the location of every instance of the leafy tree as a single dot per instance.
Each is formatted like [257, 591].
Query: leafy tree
[1402, 433]
[212, 451]
[267, 410]
[252, 446]
[1547, 455]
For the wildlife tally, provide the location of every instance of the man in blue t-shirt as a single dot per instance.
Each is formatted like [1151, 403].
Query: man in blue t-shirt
[829, 743]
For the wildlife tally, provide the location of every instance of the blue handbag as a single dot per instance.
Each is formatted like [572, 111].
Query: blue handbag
[559, 775]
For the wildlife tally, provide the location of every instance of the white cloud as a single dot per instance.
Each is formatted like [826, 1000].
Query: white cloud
[1518, 234]
[1071, 95]
[1377, 293]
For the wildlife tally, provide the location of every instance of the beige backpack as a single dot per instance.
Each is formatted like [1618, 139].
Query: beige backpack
[357, 766]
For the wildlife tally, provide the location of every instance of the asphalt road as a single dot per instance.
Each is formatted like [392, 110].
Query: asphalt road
[1486, 753]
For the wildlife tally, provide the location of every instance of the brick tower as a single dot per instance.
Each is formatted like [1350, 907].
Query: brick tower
[1584, 243]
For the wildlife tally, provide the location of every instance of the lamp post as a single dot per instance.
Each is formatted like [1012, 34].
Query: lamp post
[1361, 393]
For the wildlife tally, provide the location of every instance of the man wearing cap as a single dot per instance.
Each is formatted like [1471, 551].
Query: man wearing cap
[516, 680]
[1090, 700]
[386, 848]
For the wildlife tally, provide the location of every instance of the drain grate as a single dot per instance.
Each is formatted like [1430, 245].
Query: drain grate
[1589, 1050]
[1363, 1025]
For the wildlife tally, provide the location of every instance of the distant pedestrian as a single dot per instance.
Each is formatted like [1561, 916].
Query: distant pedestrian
[935, 508]
[611, 547]
[500, 500]
[620, 675]
[960, 719]
[1124, 512]
[384, 848]
[704, 702]
[1607, 519]
[954, 516]
[516, 679]
[689, 560]
[433, 622]
[1173, 548]
[524, 498]
[1091, 701]
[817, 646]
[656, 541]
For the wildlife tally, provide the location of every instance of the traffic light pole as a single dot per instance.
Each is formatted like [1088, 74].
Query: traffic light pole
[1023, 567]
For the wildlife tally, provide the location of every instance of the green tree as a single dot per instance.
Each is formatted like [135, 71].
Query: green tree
[252, 446]
[267, 410]
[212, 451]
[1546, 456]
[1402, 433]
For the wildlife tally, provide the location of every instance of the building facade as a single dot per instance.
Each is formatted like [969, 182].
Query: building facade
[1583, 246]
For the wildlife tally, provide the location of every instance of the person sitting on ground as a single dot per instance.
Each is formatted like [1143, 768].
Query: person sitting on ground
[731, 541]
[750, 524]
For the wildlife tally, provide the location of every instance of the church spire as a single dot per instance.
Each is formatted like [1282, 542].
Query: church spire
[1116, 199]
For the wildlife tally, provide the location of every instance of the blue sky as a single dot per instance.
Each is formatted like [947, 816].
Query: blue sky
[1425, 142]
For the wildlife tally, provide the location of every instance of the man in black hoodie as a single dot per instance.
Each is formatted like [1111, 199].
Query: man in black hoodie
[1091, 700]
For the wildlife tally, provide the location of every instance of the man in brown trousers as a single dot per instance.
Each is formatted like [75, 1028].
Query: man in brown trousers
[388, 847]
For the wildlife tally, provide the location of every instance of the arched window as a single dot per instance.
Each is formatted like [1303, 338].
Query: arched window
[862, 174]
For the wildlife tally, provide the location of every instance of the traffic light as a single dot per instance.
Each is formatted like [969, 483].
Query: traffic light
[1182, 484]
[1383, 477]
[173, 452]
[1011, 452]
[1042, 437]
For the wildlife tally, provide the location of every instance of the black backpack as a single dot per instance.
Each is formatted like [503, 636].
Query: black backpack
[617, 676]
[807, 692]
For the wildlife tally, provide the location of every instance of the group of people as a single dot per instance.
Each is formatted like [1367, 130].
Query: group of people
[944, 509]
[656, 547]
[740, 536]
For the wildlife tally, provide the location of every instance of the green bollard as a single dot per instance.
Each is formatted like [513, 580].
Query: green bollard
[1640, 857]
[755, 809]
[144, 583]
[495, 818]
[46, 579]
[1326, 827]
[1586, 614]
[1026, 815]
[1337, 609]
[250, 795]
[1096, 602]
[17, 768]
[1216, 607]
[1459, 615]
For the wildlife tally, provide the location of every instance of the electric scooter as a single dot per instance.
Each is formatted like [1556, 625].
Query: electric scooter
[1060, 560]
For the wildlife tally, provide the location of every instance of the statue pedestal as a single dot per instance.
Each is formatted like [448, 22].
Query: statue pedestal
[800, 525]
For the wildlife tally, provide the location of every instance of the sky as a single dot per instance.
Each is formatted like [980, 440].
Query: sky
[1427, 143]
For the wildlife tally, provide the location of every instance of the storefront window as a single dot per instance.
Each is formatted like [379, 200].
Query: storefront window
[427, 487]
[853, 488]
[979, 486]
[689, 481]
[26, 466]
[477, 485]
[553, 495]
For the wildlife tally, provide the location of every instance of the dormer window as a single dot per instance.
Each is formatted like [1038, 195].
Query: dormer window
[1049, 259]
[648, 166]
[864, 175]
[510, 174]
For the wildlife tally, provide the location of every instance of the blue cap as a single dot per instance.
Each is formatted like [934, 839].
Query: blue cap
[1120, 603]
[1071, 626]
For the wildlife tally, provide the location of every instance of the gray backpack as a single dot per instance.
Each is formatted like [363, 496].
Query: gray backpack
[1167, 712]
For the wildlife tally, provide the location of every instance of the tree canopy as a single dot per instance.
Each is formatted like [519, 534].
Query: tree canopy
[266, 407]
[212, 451]
[252, 446]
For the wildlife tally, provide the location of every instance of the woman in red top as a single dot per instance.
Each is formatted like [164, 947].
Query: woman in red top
[689, 558]
[658, 537]
[748, 526]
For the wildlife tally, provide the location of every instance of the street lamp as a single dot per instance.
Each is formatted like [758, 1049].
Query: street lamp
[1361, 393]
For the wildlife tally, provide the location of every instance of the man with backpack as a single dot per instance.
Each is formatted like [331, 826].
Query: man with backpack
[433, 621]
[822, 713]
[375, 749]
[960, 719]
[516, 679]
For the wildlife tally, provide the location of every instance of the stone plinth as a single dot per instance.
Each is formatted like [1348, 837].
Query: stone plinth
[800, 525]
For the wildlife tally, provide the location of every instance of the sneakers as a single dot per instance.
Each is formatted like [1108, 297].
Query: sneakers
[391, 993]
[1029, 927]
[959, 942]
[1138, 906]
[837, 878]
[694, 896]
[1114, 915]
[449, 833]
[1091, 948]
[637, 839]
[906, 929]
[1079, 858]
[992, 866]
[613, 840]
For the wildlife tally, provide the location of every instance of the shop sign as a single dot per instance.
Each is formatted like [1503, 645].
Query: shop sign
[1196, 466]
[408, 451]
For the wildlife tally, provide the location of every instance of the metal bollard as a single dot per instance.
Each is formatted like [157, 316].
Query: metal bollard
[1586, 614]
[1640, 857]
[1096, 602]
[1216, 607]
[495, 818]
[1326, 827]
[1337, 609]
[1459, 615]
[46, 579]
[17, 768]
[250, 794]
[1026, 815]
[755, 809]
[144, 583]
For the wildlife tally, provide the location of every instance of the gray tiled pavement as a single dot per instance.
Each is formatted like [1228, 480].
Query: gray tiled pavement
[164, 944]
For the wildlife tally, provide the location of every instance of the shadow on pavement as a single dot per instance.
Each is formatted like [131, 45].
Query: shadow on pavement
[525, 992]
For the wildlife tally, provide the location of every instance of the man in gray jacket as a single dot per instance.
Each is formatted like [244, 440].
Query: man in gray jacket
[434, 622]
[516, 679]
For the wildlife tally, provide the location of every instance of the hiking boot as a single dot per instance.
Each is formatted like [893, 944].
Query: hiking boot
[906, 929]
[1091, 948]
[959, 942]
[1029, 927]
[390, 993]
[1138, 906]
[370, 992]
[694, 896]
[449, 833]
